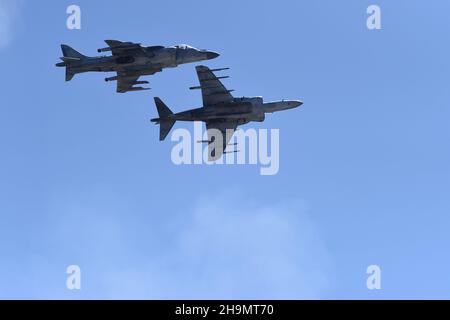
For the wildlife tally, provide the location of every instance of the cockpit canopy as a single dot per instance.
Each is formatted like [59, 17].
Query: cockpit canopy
[184, 46]
[253, 100]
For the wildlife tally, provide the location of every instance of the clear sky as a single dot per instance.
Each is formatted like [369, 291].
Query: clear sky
[364, 164]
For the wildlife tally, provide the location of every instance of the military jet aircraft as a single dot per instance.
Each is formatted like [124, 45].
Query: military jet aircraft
[220, 111]
[130, 61]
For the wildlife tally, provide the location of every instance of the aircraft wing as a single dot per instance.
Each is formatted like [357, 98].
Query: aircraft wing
[126, 82]
[120, 48]
[213, 91]
[227, 129]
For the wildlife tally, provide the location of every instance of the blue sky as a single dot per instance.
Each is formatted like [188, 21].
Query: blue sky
[364, 164]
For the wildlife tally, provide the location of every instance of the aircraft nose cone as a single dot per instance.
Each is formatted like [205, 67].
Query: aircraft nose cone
[296, 103]
[211, 55]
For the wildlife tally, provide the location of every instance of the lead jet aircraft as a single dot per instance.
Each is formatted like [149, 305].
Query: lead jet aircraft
[221, 111]
[130, 61]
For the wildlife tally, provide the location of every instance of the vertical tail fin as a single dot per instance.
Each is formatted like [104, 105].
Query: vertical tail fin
[163, 110]
[165, 124]
[70, 56]
[71, 52]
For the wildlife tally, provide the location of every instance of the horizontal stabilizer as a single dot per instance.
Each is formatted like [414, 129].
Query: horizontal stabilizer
[69, 74]
[164, 128]
[70, 59]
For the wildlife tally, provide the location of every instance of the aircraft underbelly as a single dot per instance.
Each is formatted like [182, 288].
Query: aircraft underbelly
[237, 115]
[236, 112]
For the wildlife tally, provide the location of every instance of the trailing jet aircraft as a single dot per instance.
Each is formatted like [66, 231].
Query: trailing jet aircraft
[221, 111]
[130, 61]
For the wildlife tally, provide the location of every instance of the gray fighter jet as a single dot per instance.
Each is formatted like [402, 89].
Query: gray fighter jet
[130, 61]
[221, 111]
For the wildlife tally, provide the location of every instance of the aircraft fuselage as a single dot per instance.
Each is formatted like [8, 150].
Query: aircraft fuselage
[242, 109]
